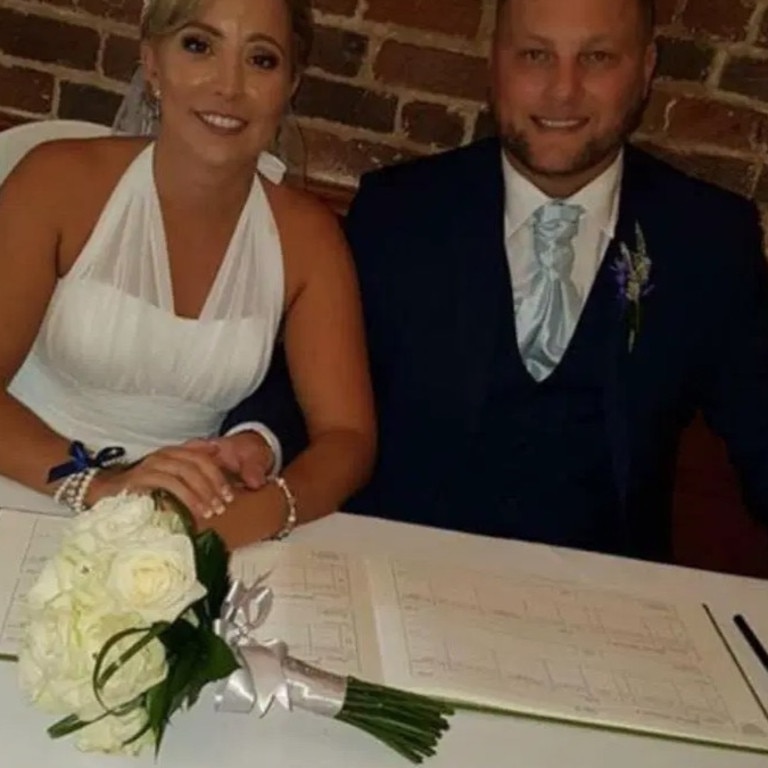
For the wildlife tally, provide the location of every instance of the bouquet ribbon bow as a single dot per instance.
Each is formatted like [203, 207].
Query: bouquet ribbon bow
[267, 673]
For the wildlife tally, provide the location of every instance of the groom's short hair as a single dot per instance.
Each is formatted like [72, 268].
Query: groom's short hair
[647, 14]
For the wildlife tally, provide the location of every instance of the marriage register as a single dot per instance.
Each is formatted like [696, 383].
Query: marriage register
[519, 643]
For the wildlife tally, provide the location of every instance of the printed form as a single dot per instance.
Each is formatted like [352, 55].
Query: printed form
[549, 649]
[543, 648]
[321, 606]
[27, 541]
[561, 650]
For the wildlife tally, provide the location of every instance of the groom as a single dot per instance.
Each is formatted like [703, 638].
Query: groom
[546, 311]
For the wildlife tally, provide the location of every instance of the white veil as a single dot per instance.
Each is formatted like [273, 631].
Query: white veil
[137, 115]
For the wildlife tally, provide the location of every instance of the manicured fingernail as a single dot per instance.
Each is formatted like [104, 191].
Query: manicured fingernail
[227, 495]
[218, 508]
[208, 514]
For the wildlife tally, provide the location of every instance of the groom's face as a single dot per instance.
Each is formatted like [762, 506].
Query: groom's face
[569, 80]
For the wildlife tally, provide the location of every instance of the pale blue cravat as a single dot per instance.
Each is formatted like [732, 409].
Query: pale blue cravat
[554, 298]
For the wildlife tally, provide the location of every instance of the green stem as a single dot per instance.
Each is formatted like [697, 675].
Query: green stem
[409, 723]
[430, 722]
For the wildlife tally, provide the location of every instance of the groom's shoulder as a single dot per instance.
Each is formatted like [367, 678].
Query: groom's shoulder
[439, 173]
[668, 185]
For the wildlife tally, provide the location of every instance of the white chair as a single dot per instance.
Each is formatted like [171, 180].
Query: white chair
[17, 141]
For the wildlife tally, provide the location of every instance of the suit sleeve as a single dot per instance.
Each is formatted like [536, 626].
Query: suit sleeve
[735, 380]
[366, 227]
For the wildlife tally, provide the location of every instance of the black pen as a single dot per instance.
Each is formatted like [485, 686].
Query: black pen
[752, 639]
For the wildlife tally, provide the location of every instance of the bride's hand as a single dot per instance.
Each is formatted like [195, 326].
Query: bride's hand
[192, 474]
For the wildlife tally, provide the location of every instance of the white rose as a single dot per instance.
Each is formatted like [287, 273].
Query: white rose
[137, 675]
[54, 669]
[46, 589]
[71, 575]
[155, 579]
[110, 734]
[83, 571]
[59, 653]
[116, 519]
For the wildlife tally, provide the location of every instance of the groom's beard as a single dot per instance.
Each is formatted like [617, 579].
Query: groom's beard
[593, 154]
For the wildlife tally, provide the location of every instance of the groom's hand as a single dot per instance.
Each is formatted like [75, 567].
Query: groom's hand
[246, 455]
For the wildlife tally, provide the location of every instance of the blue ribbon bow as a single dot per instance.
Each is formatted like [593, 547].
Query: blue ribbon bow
[83, 460]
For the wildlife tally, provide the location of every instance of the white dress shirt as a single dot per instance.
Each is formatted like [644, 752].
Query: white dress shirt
[600, 200]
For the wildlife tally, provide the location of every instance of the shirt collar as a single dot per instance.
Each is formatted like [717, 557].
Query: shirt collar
[600, 198]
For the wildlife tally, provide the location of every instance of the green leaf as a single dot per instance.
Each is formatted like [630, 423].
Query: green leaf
[196, 657]
[216, 662]
[220, 660]
[158, 706]
[180, 677]
[168, 696]
[179, 634]
[102, 676]
[136, 736]
[184, 646]
[212, 564]
[71, 724]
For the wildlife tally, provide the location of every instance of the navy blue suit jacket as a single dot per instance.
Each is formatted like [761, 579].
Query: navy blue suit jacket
[428, 242]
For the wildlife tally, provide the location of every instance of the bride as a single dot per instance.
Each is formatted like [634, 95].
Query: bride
[143, 284]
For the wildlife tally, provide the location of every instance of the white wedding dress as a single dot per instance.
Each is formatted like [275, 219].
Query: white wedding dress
[114, 365]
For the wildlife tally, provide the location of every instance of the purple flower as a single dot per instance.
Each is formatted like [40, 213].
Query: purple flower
[632, 272]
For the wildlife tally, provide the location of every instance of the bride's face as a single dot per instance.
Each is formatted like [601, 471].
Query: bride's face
[225, 78]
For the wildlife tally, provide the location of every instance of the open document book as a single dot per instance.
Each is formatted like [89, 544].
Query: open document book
[537, 647]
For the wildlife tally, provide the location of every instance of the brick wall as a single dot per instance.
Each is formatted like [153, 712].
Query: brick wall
[394, 78]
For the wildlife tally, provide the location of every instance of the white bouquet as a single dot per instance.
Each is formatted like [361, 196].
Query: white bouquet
[135, 615]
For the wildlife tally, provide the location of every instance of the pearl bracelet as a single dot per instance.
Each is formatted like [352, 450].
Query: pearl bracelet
[73, 490]
[291, 507]
[78, 473]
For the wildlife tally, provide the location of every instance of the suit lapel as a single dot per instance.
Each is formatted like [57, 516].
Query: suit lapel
[617, 392]
[479, 267]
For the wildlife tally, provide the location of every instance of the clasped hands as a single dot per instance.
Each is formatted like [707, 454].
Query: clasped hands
[204, 474]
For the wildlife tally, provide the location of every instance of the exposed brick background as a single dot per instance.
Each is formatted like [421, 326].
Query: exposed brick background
[394, 78]
[390, 79]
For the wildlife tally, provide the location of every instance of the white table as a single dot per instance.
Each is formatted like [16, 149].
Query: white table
[204, 739]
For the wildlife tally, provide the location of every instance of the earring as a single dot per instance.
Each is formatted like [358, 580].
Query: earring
[150, 110]
[155, 105]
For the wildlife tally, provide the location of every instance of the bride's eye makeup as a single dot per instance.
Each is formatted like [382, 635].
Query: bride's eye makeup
[195, 43]
[264, 59]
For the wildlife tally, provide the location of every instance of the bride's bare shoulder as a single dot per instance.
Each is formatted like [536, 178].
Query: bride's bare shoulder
[79, 161]
[300, 210]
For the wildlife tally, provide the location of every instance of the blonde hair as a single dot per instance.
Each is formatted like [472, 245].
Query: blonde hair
[165, 17]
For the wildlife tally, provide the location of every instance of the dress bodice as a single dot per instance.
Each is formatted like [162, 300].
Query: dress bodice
[112, 362]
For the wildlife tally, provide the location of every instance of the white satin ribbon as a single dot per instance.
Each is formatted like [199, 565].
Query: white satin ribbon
[267, 673]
